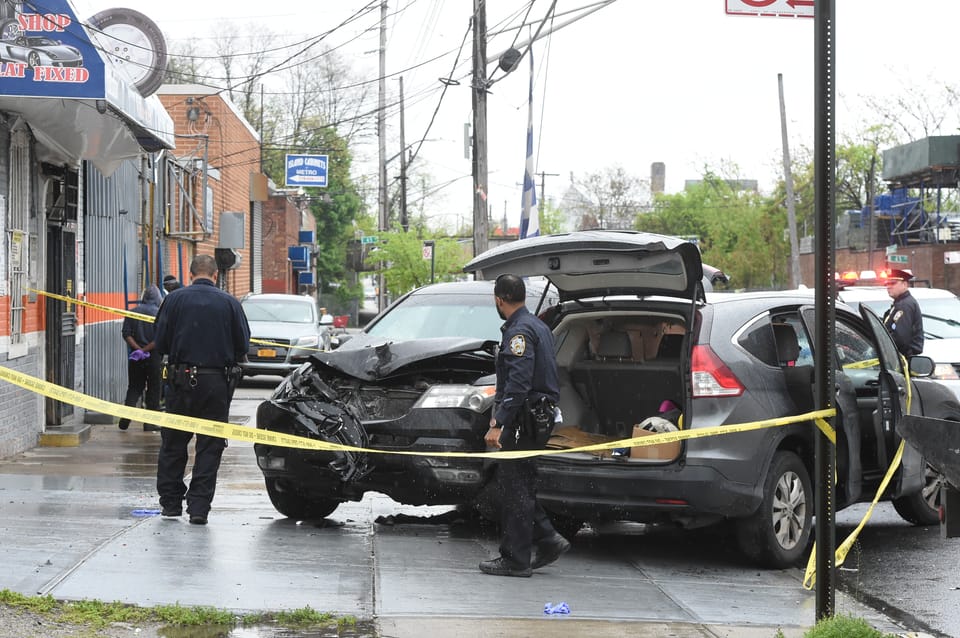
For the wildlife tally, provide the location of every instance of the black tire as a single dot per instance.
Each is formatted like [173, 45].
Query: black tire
[150, 64]
[10, 30]
[922, 508]
[33, 60]
[776, 535]
[293, 504]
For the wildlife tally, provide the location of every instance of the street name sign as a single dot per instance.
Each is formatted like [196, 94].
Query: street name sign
[368, 239]
[898, 259]
[776, 8]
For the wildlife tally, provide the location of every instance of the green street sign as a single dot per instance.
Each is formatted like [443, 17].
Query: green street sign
[369, 239]
[898, 259]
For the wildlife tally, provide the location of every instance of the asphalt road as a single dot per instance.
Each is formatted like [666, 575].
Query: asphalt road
[76, 523]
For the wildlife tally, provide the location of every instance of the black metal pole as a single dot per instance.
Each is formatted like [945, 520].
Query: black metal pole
[824, 138]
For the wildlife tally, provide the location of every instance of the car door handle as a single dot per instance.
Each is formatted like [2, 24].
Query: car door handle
[873, 383]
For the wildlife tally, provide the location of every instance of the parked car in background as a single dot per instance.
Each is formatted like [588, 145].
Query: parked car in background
[941, 324]
[633, 330]
[293, 327]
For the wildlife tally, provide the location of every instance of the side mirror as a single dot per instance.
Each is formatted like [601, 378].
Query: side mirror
[921, 366]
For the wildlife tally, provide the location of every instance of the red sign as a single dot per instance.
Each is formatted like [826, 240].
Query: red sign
[780, 8]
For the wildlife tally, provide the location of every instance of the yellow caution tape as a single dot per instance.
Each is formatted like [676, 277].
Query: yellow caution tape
[149, 319]
[840, 555]
[242, 433]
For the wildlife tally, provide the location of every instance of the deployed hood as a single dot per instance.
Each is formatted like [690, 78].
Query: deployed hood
[597, 263]
[370, 358]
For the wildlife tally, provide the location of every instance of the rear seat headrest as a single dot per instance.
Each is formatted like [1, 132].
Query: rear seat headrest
[614, 345]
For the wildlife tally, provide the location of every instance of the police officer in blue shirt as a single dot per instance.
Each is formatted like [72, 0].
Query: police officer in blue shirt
[904, 320]
[204, 333]
[527, 386]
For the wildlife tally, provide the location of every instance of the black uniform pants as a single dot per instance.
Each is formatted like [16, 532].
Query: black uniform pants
[523, 522]
[209, 399]
[143, 378]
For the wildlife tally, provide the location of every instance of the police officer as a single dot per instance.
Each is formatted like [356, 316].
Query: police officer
[526, 373]
[204, 333]
[903, 319]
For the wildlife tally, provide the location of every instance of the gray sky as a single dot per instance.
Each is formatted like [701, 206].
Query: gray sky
[641, 81]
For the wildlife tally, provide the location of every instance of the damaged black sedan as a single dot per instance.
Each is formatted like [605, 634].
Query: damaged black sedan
[419, 378]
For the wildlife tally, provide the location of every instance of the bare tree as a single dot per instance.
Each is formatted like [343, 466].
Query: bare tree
[617, 197]
[914, 111]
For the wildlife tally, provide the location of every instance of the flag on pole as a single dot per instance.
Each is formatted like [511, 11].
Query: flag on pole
[529, 218]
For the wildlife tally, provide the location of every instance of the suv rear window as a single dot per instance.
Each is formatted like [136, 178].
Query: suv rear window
[757, 339]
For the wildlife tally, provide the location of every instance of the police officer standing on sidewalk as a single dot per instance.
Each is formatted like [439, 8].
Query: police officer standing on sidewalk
[903, 319]
[204, 333]
[524, 409]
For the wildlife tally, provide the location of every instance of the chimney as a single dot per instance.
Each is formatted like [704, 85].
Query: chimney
[658, 177]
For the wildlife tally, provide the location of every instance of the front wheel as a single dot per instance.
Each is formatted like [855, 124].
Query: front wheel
[923, 507]
[292, 504]
[776, 535]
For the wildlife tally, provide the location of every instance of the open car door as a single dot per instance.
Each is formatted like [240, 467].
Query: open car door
[897, 397]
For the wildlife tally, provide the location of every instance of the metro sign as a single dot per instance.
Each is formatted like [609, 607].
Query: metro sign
[781, 8]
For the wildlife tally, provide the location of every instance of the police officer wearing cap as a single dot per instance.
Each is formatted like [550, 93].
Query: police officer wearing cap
[204, 333]
[903, 319]
[526, 375]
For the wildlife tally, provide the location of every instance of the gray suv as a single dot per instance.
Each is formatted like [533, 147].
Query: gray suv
[634, 333]
[284, 331]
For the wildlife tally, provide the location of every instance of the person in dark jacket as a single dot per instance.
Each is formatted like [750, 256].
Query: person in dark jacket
[204, 334]
[143, 365]
[171, 283]
[526, 373]
[903, 319]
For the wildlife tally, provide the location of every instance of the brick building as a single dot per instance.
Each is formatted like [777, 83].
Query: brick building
[218, 157]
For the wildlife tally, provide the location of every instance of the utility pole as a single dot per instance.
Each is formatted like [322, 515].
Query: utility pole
[795, 279]
[481, 235]
[383, 224]
[404, 222]
[543, 190]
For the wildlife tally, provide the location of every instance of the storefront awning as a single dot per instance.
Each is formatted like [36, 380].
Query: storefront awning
[79, 104]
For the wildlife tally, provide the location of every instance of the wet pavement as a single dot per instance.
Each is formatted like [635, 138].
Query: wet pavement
[80, 523]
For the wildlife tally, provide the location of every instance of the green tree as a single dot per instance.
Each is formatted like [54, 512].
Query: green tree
[551, 219]
[737, 230]
[404, 267]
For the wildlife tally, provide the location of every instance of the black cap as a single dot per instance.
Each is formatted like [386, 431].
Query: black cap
[169, 278]
[899, 275]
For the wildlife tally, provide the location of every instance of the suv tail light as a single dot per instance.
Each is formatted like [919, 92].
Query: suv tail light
[711, 378]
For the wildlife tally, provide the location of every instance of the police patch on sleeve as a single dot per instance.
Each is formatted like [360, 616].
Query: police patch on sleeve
[518, 345]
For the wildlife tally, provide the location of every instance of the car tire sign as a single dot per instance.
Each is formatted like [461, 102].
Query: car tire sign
[776, 8]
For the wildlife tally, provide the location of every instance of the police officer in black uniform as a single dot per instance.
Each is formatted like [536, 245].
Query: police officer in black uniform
[204, 333]
[526, 377]
[903, 319]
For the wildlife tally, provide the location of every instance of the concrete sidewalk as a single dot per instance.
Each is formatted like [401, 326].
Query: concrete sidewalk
[80, 523]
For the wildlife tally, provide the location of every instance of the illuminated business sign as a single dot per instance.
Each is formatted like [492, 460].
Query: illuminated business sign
[306, 170]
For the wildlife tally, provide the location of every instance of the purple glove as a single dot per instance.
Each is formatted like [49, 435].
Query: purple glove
[139, 355]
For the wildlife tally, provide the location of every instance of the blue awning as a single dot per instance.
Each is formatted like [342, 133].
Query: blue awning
[79, 104]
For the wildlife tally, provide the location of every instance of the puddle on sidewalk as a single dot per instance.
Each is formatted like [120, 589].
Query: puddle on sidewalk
[359, 630]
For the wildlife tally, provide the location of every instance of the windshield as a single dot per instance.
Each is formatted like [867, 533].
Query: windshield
[286, 311]
[449, 315]
[938, 315]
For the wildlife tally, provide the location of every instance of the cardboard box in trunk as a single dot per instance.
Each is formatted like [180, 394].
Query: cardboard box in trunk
[662, 451]
[572, 437]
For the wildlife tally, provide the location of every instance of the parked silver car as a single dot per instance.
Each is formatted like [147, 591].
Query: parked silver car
[293, 327]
